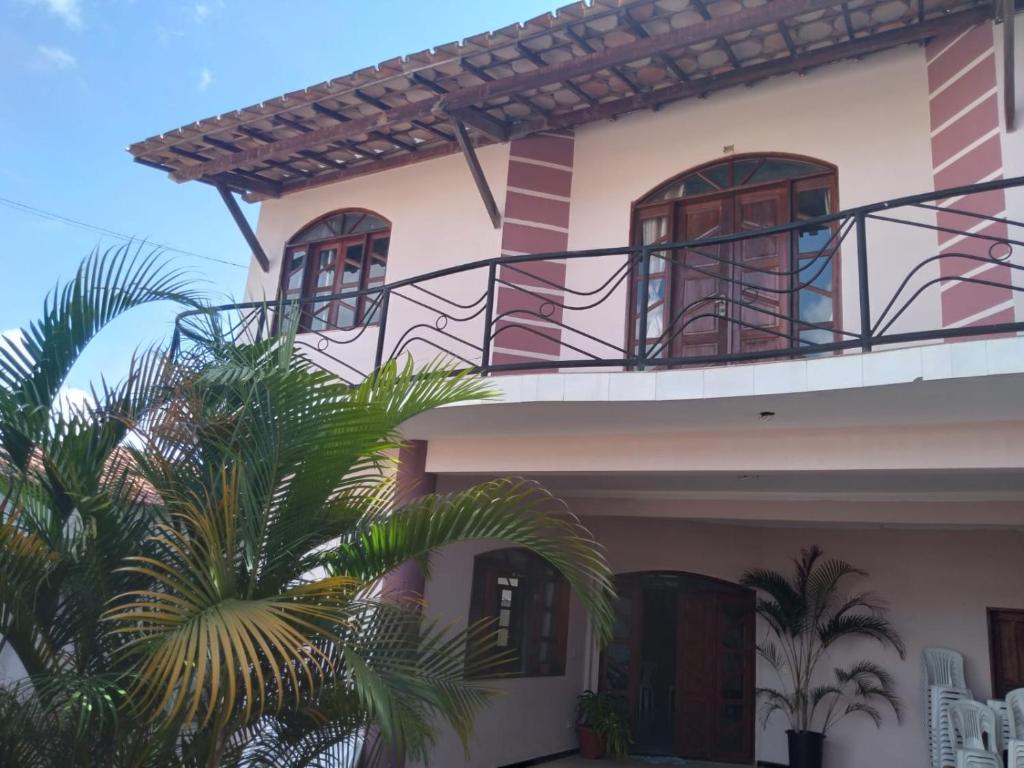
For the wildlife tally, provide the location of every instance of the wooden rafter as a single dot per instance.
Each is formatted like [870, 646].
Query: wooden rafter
[472, 96]
[862, 46]
[664, 58]
[475, 169]
[243, 225]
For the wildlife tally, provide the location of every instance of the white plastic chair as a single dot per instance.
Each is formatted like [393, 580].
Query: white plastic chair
[1003, 734]
[1015, 713]
[972, 726]
[944, 668]
[1015, 753]
[978, 758]
[940, 744]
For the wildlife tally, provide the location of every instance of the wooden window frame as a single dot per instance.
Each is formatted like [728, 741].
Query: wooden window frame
[364, 306]
[528, 607]
[827, 175]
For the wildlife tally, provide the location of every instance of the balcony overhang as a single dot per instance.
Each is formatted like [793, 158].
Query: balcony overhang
[583, 63]
[975, 382]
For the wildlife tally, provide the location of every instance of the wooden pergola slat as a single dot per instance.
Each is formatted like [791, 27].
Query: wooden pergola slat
[472, 96]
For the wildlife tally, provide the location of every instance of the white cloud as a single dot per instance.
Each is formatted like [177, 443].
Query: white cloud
[201, 10]
[51, 57]
[205, 78]
[71, 400]
[70, 11]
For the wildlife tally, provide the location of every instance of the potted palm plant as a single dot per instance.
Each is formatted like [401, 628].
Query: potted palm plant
[806, 616]
[602, 725]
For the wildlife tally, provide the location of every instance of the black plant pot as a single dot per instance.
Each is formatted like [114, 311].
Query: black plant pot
[805, 749]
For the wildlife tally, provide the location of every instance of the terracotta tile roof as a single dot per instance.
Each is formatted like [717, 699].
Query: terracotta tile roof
[581, 63]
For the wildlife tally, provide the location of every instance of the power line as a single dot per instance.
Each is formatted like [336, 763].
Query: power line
[15, 205]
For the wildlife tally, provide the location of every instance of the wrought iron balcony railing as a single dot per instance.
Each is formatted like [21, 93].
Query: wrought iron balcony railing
[930, 267]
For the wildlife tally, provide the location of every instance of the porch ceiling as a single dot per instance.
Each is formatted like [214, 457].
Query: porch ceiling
[583, 63]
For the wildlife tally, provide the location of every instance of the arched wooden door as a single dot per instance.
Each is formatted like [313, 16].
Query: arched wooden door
[769, 292]
[682, 655]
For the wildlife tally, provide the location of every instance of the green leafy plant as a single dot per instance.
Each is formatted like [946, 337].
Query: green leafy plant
[607, 716]
[806, 617]
[191, 566]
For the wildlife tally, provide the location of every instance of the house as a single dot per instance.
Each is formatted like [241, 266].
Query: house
[748, 275]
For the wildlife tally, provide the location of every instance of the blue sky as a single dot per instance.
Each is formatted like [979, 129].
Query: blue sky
[81, 79]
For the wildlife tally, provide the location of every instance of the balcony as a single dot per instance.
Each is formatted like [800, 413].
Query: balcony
[934, 267]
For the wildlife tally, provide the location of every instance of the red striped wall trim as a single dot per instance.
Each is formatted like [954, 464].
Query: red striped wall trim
[536, 220]
[967, 149]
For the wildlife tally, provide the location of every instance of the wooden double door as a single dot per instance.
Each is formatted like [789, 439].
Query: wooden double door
[728, 298]
[683, 657]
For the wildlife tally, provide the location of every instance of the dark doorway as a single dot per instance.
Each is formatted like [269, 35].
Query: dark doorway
[682, 655]
[1006, 649]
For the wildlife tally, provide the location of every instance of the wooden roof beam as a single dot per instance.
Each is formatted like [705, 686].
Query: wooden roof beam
[862, 46]
[722, 42]
[770, 13]
[665, 59]
[232, 147]
[477, 172]
[848, 20]
[243, 226]
[383, 106]
[583, 43]
[481, 74]
[483, 122]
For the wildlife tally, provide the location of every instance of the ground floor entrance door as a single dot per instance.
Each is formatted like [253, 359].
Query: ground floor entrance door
[682, 656]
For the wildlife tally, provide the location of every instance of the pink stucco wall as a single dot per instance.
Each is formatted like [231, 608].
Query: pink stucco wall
[438, 219]
[938, 584]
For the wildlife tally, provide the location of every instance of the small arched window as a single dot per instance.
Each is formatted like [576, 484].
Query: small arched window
[527, 600]
[343, 253]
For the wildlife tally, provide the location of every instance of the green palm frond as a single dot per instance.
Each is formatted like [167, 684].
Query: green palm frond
[512, 510]
[871, 626]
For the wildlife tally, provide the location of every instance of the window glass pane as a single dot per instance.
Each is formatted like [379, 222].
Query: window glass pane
[353, 265]
[378, 256]
[346, 314]
[816, 272]
[325, 261]
[320, 313]
[812, 240]
[367, 223]
[720, 175]
[293, 281]
[776, 169]
[812, 336]
[815, 307]
[811, 203]
[319, 231]
[695, 184]
[741, 170]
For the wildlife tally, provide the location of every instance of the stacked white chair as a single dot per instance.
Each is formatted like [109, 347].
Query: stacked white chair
[972, 725]
[1003, 732]
[1015, 753]
[940, 735]
[978, 758]
[1015, 713]
[942, 675]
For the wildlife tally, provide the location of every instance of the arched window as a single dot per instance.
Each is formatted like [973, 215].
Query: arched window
[752, 295]
[344, 252]
[528, 602]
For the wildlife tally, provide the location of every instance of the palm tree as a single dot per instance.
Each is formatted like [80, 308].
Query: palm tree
[69, 512]
[210, 591]
[808, 615]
